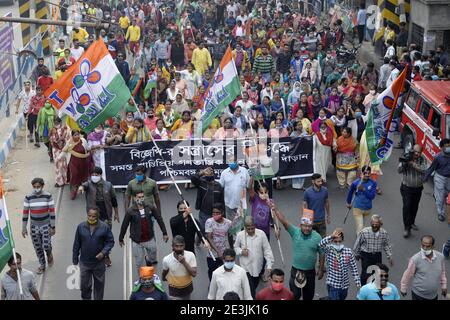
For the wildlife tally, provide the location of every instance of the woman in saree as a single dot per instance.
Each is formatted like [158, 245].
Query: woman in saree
[58, 137]
[80, 162]
[323, 141]
[346, 158]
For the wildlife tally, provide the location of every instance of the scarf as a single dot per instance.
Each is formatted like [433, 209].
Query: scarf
[96, 136]
[46, 117]
[325, 139]
[72, 144]
[346, 144]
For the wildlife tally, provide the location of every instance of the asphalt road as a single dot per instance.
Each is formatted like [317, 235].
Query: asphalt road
[388, 205]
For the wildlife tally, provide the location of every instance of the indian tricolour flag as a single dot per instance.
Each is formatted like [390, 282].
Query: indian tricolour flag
[222, 90]
[92, 90]
[6, 239]
[379, 132]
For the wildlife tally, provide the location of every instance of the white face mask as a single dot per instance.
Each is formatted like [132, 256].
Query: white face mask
[372, 92]
[37, 190]
[98, 130]
[338, 247]
[95, 179]
[426, 252]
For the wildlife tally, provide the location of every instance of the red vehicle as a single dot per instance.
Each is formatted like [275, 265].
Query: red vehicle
[426, 116]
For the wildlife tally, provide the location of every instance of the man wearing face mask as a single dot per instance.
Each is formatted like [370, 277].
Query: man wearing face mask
[179, 269]
[380, 289]
[93, 242]
[147, 288]
[100, 193]
[209, 191]
[339, 260]
[40, 208]
[276, 289]
[229, 277]
[234, 180]
[441, 168]
[142, 183]
[140, 219]
[255, 253]
[426, 269]
[305, 248]
[369, 244]
[364, 189]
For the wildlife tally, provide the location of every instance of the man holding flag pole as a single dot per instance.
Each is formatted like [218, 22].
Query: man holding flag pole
[11, 283]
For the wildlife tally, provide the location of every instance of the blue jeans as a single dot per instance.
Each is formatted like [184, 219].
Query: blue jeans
[336, 294]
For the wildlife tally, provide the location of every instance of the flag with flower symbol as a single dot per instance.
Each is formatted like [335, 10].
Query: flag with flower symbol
[92, 90]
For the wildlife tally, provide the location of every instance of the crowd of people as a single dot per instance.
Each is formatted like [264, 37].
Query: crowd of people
[293, 84]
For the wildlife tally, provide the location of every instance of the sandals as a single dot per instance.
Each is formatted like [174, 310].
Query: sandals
[40, 270]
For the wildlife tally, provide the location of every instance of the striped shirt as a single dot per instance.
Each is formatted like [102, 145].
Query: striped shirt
[338, 263]
[371, 242]
[413, 176]
[263, 64]
[41, 208]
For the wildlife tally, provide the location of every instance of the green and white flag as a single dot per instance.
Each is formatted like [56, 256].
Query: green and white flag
[223, 89]
[6, 239]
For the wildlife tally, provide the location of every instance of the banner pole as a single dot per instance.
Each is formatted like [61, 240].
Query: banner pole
[274, 218]
[180, 193]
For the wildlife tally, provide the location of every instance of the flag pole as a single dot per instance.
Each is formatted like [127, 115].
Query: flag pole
[179, 191]
[391, 116]
[8, 225]
[274, 218]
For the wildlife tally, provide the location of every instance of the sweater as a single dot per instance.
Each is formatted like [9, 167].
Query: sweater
[363, 199]
[41, 209]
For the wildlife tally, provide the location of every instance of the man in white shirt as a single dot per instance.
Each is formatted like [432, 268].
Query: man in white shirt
[385, 70]
[77, 51]
[394, 73]
[232, 8]
[179, 267]
[24, 98]
[229, 277]
[253, 247]
[233, 180]
[390, 51]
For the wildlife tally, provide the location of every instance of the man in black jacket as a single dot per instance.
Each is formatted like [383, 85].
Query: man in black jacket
[93, 242]
[139, 217]
[209, 192]
[284, 60]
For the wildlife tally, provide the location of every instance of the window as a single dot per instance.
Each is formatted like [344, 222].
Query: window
[417, 33]
[412, 100]
[424, 110]
[436, 120]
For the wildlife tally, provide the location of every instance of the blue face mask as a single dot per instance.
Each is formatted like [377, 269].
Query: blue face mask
[139, 177]
[233, 166]
[229, 265]
[447, 150]
[358, 114]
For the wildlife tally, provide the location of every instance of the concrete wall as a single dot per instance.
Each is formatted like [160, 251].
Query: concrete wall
[433, 18]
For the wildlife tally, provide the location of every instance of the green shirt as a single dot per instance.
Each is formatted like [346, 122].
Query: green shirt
[304, 248]
[149, 188]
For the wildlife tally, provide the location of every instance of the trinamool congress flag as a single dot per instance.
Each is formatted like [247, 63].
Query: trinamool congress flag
[377, 124]
[222, 90]
[6, 240]
[92, 90]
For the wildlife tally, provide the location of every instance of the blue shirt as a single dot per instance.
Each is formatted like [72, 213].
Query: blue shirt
[440, 164]
[361, 18]
[363, 199]
[315, 200]
[370, 292]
